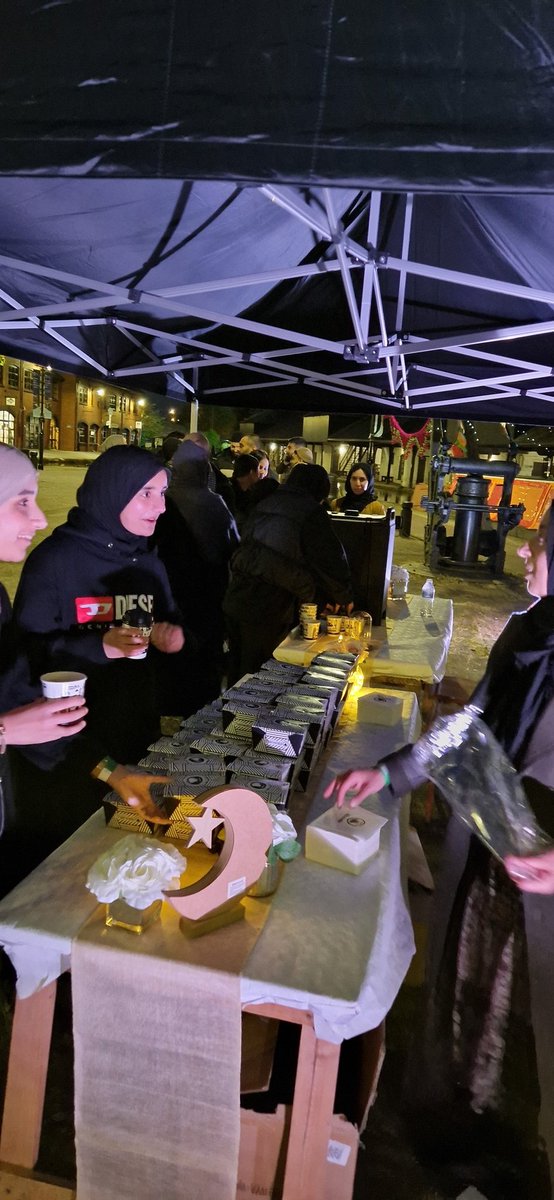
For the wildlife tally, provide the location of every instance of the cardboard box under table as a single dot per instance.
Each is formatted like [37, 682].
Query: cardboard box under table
[328, 971]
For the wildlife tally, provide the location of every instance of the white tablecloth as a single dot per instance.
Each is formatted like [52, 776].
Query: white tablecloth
[406, 646]
[410, 646]
[334, 944]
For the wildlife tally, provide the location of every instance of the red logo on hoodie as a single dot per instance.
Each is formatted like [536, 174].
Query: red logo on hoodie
[94, 608]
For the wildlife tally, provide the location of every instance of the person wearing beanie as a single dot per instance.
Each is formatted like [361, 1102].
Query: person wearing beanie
[288, 555]
[75, 590]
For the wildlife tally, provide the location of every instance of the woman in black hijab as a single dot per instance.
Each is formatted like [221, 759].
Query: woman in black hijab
[359, 492]
[75, 590]
[483, 1076]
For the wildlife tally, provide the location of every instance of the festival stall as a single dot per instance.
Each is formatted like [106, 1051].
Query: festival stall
[157, 1017]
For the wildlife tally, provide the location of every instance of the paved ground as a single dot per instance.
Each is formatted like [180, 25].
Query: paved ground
[482, 605]
[388, 1168]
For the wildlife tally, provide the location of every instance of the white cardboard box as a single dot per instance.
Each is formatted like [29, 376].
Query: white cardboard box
[380, 706]
[344, 838]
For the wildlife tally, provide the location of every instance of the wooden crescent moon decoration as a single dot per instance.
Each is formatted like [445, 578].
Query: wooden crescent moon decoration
[248, 835]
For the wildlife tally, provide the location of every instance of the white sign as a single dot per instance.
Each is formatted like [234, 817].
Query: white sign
[10, 401]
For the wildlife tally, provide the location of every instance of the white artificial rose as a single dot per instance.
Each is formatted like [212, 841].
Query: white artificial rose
[135, 870]
[283, 828]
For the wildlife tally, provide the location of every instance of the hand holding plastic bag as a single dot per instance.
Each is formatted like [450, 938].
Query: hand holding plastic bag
[464, 760]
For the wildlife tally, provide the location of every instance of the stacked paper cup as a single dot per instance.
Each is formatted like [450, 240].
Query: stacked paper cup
[308, 620]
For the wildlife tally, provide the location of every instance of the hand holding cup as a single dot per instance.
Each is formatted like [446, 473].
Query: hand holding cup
[44, 721]
[120, 642]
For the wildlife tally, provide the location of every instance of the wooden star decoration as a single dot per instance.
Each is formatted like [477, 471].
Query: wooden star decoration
[203, 828]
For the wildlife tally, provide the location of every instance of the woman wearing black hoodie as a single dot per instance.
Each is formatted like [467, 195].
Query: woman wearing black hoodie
[74, 591]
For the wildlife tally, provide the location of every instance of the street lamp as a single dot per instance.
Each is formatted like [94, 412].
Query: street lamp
[172, 414]
[42, 392]
[138, 424]
[122, 409]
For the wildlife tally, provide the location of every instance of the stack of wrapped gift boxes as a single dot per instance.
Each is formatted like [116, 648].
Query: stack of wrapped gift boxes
[266, 733]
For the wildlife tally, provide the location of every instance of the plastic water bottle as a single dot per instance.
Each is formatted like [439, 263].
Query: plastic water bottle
[427, 599]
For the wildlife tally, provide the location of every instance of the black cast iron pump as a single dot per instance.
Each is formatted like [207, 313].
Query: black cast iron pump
[475, 536]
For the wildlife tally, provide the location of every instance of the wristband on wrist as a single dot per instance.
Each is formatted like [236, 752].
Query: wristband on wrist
[2, 738]
[385, 773]
[104, 769]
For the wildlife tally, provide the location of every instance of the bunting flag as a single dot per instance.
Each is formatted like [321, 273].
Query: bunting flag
[420, 439]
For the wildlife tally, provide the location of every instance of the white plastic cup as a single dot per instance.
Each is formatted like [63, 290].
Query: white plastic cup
[56, 684]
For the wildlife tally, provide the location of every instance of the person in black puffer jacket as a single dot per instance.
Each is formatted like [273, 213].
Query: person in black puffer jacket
[289, 555]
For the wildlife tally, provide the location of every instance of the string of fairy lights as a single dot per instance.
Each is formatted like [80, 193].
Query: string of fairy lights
[534, 439]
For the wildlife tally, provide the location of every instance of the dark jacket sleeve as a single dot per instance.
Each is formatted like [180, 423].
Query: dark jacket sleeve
[223, 535]
[39, 616]
[403, 766]
[167, 608]
[254, 561]
[404, 770]
[15, 684]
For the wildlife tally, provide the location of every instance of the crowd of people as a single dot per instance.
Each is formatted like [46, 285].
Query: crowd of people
[229, 549]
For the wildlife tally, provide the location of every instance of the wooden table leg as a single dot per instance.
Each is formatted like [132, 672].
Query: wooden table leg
[26, 1082]
[312, 1111]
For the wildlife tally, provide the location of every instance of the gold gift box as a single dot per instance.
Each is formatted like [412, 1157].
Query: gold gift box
[176, 808]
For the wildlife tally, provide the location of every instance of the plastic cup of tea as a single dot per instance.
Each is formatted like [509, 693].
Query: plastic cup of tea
[56, 684]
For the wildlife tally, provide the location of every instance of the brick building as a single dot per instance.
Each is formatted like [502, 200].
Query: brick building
[78, 413]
